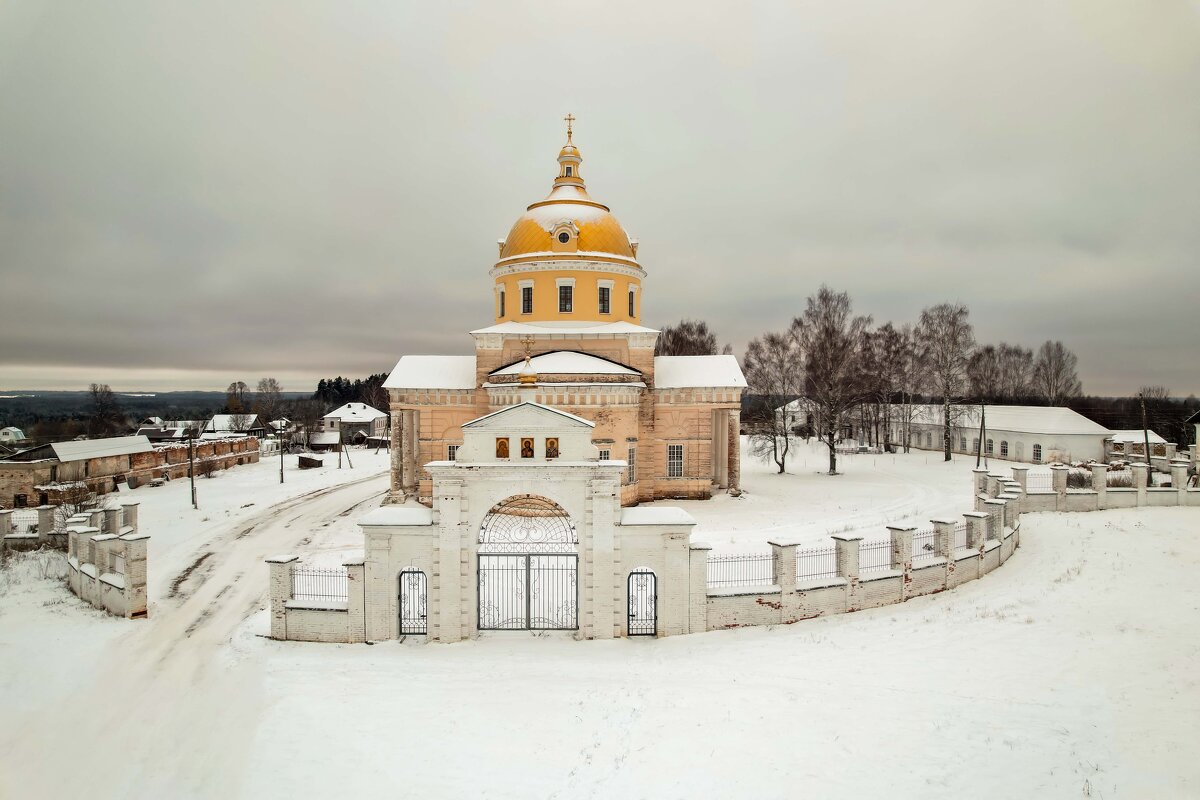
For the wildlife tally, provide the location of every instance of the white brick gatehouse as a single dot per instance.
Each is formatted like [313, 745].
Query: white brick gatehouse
[526, 533]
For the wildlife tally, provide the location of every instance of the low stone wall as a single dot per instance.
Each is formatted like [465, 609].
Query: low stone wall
[106, 559]
[303, 620]
[1100, 497]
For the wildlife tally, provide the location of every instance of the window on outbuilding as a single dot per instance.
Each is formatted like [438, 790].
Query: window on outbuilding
[990, 447]
[674, 461]
[1037, 454]
[1004, 448]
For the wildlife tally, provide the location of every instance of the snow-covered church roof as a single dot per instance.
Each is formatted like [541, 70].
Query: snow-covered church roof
[568, 362]
[687, 372]
[432, 372]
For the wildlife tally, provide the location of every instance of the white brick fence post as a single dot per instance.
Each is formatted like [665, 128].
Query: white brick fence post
[45, 523]
[846, 548]
[1179, 470]
[1100, 485]
[130, 511]
[281, 591]
[1021, 476]
[1141, 478]
[902, 555]
[1058, 481]
[356, 600]
[698, 585]
[976, 530]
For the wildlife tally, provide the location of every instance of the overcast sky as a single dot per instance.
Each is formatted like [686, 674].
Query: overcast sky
[195, 193]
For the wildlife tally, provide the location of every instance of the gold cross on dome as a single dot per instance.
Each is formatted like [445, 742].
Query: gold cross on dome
[569, 118]
[528, 342]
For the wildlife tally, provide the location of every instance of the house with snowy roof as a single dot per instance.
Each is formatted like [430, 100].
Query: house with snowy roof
[226, 424]
[355, 423]
[1034, 434]
[11, 436]
[567, 307]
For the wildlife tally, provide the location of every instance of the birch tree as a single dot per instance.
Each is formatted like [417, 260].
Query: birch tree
[946, 339]
[1054, 376]
[774, 372]
[830, 339]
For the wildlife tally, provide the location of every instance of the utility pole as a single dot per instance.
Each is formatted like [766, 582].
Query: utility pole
[192, 464]
[279, 433]
[1146, 433]
[982, 433]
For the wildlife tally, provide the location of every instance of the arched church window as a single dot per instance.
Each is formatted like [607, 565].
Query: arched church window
[568, 175]
[990, 447]
[1003, 448]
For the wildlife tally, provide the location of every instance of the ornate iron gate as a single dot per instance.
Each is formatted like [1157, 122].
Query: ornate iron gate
[531, 592]
[643, 603]
[414, 595]
[528, 567]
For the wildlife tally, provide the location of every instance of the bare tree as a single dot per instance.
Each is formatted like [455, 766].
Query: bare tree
[107, 418]
[1054, 377]
[75, 498]
[307, 415]
[772, 366]
[688, 338]
[945, 338]
[830, 339]
[1150, 397]
[237, 398]
[1016, 370]
[268, 400]
[984, 374]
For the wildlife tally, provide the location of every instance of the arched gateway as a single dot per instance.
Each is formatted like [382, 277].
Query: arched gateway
[528, 567]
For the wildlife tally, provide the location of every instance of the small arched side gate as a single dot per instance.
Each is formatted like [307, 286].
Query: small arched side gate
[414, 597]
[643, 602]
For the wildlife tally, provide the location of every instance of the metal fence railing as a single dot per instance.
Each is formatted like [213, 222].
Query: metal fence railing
[742, 569]
[1038, 482]
[960, 536]
[320, 583]
[24, 520]
[816, 563]
[874, 555]
[924, 546]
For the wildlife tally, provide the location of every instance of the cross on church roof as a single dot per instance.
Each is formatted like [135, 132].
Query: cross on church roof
[569, 118]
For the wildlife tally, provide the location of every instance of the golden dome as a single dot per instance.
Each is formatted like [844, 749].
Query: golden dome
[590, 227]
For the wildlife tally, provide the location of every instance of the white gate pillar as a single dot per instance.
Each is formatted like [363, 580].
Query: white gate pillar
[450, 557]
[603, 497]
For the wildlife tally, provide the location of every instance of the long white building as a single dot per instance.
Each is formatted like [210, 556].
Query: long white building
[1036, 434]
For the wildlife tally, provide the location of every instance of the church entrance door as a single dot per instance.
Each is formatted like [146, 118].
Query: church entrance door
[528, 567]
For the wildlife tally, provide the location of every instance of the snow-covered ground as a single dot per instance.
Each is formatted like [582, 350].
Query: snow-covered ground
[1068, 672]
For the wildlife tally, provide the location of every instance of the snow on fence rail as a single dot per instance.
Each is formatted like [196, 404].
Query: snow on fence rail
[743, 569]
[816, 563]
[875, 555]
[1038, 482]
[320, 583]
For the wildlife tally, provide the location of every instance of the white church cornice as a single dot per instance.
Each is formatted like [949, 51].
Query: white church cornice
[518, 266]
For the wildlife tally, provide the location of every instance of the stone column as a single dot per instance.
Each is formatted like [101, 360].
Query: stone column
[943, 538]
[735, 453]
[45, 522]
[1058, 480]
[602, 495]
[136, 573]
[785, 565]
[980, 480]
[902, 546]
[698, 588]
[280, 587]
[976, 529]
[1141, 476]
[1179, 470]
[406, 454]
[414, 452]
[1021, 476]
[997, 519]
[112, 521]
[847, 565]
[1100, 485]
[395, 445]
[448, 595]
[356, 600]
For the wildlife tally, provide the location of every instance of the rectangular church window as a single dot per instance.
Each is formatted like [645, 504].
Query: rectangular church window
[451, 452]
[565, 299]
[605, 300]
[501, 303]
[526, 299]
[605, 455]
[674, 461]
[631, 470]
[631, 302]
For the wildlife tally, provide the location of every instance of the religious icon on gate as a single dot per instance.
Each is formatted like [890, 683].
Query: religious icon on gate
[527, 447]
[501, 448]
[552, 448]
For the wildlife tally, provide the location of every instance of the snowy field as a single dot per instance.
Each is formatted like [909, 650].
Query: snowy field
[1069, 672]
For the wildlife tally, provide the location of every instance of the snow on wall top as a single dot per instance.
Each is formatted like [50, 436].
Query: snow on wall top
[682, 372]
[1136, 436]
[567, 328]
[566, 362]
[101, 448]
[432, 372]
[651, 515]
[1019, 419]
[356, 412]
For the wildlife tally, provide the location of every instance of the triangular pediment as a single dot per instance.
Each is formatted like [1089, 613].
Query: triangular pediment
[528, 416]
